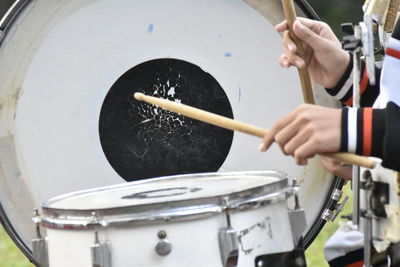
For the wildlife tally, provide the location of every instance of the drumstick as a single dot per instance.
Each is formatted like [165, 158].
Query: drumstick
[234, 125]
[305, 80]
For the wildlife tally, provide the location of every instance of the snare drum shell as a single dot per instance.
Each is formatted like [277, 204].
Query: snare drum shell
[261, 231]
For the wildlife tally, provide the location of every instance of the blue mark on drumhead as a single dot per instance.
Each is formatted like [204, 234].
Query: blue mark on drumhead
[240, 93]
[228, 54]
[150, 28]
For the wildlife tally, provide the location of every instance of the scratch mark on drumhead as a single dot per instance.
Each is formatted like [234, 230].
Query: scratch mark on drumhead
[240, 94]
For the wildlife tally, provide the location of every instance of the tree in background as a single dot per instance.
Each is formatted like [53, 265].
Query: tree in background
[335, 12]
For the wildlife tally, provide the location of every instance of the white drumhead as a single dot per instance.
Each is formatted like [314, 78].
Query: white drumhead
[157, 191]
[59, 60]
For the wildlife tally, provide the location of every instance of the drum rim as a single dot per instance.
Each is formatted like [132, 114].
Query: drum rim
[176, 210]
[16, 9]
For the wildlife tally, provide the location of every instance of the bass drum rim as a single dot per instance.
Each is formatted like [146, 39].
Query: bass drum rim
[336, 182]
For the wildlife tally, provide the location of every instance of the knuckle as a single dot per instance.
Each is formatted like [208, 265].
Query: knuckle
[288, 149]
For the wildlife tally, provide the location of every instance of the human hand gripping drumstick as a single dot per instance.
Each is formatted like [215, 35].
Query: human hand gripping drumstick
[234, 125]
[305, 80]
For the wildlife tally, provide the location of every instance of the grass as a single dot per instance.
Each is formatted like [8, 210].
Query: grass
[10, 256]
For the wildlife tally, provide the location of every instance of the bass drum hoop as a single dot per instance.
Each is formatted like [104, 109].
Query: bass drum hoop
[329, 203]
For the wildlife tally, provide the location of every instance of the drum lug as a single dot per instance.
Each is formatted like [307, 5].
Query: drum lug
[330, 215]
[39, 244]
[100, 251]
[228, 244]
[297, 219]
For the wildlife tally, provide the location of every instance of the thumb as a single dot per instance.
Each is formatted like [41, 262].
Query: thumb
[308, 36]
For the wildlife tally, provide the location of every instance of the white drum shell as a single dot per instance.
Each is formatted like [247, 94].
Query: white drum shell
[194, 242]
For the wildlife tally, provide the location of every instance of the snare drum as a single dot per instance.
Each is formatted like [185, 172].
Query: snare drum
[199, 220]
[69, 69]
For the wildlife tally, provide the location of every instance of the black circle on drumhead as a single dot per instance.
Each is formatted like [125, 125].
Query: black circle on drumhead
[142, 141]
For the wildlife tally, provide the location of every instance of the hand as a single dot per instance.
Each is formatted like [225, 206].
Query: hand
[307, 131]
[337, 168]
[324, 56]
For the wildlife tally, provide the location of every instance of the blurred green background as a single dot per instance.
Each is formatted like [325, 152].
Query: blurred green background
[333, 12]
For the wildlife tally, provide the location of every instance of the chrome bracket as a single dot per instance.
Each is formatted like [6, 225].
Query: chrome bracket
[39, 244]
[297, 219]
[100, 251]
[228, 244]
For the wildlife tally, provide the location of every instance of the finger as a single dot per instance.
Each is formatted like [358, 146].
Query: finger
[284, 62]
[288, 42]
[315, 25]
[286, 134]
[308, 36]
[305, 151]
[290, 51]
[300, 138]
[267, 141]
[294, 59]
[282, 26]
[269, 138]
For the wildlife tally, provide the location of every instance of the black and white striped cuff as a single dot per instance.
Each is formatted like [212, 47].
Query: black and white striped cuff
[363, 130]
[342, 91]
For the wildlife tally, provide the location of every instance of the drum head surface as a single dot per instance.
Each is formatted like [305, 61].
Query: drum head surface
[69, 122]
[170, 189]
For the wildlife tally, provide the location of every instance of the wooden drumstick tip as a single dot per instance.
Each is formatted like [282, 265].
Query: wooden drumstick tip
[138, 96]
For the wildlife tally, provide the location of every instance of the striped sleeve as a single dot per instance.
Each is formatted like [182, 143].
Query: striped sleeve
[343, 91]
[373, 132]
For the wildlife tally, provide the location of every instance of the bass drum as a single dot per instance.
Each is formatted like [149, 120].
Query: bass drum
[69, 122]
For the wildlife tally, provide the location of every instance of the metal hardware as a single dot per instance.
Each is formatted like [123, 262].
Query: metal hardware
[379, 198]
[380, 195]
[339, 207]
[367, 218]
[228, 244]
[337, 194]
[297, 218]
[327, 215]
[367, 37]
[164, 246]
[100, 251]
[331, 215]
[39, 244]
[10, 16]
